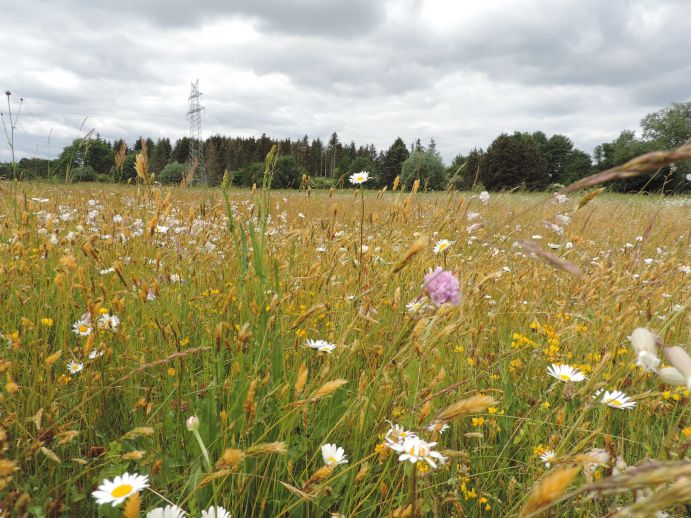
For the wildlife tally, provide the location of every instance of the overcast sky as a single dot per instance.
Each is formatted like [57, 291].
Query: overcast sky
[460, 72]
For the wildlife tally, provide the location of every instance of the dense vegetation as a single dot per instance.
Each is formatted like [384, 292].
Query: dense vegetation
[530, 161]
[226, 344]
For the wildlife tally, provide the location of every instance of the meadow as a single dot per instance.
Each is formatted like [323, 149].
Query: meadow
[225, 344]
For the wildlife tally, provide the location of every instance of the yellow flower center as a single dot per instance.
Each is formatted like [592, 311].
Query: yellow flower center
[615, 402]
[121, 490]
[332, 459]
[565, 377]
[83, 328]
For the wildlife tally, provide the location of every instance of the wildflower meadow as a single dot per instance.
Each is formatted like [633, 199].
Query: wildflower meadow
[170, 352]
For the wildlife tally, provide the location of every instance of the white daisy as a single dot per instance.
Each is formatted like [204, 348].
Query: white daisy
[108, 321]
[95, 353]
[333, 455]
[359, 178]
[321, 346]
[434, 427]
[547, 457]
[215, 512]
[169, 511]
[415, 449]
[617, 399]
[442, 245]
[416, 305]
[82, 327]
[484, 197]
[396, 436]
[118, 219]
[120, 489]
[565, 373]
[74, 367]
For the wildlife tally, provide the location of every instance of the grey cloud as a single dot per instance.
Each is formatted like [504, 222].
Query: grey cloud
[368, 69]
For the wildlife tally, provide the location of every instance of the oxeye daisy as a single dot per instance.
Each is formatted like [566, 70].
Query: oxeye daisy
[618, 399]
[82, 327]
[108, 321]
[215, 512]
[442, 245]
[547, 457]
[565, 373]
[415, 306]
[333, 455]
[438, 427]
[169, 511]
[74, 367]
[414, 449]
[396, 436]
[95, 353]
[321, 345]
[120, 489]
[359, 178]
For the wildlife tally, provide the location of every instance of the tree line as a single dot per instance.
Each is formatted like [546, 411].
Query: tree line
[526, 161]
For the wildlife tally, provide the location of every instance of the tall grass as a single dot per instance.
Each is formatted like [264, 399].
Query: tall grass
[217, 292]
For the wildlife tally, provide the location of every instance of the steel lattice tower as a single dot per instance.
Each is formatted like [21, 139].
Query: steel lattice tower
[196, 141]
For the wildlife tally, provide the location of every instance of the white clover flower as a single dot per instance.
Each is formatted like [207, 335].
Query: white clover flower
[333, 455]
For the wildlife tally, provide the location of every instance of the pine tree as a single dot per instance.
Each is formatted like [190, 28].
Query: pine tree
[392, 161]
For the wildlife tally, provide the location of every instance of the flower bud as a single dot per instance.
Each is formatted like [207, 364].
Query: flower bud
[193, 423]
